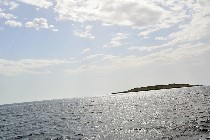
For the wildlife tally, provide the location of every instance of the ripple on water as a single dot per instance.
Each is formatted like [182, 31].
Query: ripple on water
[165, 114]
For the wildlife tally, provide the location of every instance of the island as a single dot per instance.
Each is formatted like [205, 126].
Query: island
[157, 87]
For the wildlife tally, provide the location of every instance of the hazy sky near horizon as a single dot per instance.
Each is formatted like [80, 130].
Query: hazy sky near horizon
[52, 49]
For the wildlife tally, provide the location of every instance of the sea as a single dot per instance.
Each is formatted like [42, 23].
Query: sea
[172, 114]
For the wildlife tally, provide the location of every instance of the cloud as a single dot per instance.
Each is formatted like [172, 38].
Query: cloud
[12, 5]
[39, 23]
[118, 12]
[52, 27]
[85, 51]
[178, 13]
[194, 29]
[149, 16]
[145, 33]
[84, 33]
[13, 23]
[144, 48]
[5, 15]
[30, 66]
[161, 38]
[191, 24]
[104, 63]
[116, 41]
[197, 28]
[93, 56]
[39, 3]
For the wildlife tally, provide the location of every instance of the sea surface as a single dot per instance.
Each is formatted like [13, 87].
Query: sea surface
[182, 114]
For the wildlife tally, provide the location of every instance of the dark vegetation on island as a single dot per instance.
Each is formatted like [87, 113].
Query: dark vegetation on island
[157, 87]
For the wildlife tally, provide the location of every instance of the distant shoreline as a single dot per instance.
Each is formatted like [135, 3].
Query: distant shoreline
[157, 87]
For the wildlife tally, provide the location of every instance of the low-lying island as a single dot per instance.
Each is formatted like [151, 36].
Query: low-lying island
[157, 87]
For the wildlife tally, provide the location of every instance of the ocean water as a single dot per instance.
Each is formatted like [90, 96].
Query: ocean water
[182, 114]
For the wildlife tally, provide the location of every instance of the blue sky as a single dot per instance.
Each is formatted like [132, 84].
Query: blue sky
[51, 49]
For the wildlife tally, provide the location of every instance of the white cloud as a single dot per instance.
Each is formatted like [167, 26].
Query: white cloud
[5, 15]
[39, 3]
[116, 41]
[198, 27]
[93, 56]
[30, 66]
[149, 15]
[194, 26]
[55, 30]
[191, 21]
[179, 13]
[119, 12]
[104, 63]
[188, 50]
[145, 33]
[161, 38]
[13, 23]
[85, 51]
[12, 5]
[39, 23]
[84, 33]
[52, 27]
[144, 48]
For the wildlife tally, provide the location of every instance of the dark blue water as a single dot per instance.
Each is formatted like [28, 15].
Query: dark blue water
[164, 114]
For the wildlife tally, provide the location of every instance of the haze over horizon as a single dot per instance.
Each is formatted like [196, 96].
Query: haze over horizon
[52, 49]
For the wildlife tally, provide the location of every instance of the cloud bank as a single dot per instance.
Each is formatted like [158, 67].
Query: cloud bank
[30, 66]
[118, 12]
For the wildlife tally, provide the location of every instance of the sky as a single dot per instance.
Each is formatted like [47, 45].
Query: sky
[54, 49]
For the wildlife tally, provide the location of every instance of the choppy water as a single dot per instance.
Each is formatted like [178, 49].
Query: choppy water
[165, 114]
